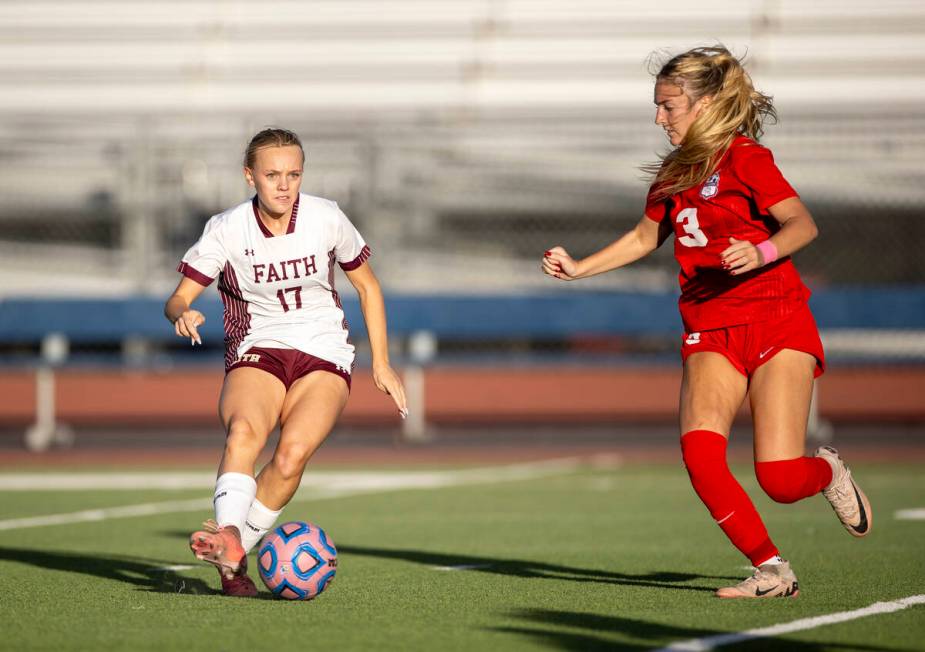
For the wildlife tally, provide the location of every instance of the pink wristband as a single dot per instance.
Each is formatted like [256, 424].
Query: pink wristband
[768, 252]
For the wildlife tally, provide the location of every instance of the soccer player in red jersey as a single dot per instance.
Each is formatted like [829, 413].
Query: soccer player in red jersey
[748, 328]
[288, 357]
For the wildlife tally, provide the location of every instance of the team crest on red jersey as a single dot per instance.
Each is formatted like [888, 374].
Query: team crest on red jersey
[710, 187]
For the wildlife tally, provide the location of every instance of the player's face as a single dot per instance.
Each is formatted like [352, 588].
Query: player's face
[674, 111]
[277, 177]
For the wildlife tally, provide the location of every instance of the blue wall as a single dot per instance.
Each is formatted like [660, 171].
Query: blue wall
[549, 315]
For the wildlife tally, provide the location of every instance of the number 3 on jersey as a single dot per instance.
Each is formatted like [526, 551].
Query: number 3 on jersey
[696, 237]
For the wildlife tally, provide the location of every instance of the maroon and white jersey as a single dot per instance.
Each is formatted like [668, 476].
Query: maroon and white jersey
[279, 290]
[732, 203]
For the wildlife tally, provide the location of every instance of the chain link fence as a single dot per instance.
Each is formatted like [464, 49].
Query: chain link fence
[444, 212]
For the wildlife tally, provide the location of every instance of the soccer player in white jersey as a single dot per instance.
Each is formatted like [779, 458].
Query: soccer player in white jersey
[288, 358]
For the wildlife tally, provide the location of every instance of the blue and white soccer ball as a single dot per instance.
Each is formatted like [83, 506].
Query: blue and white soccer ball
[297, 560]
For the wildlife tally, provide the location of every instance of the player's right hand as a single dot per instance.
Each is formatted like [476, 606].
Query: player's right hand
[558, 263]
[187, 325]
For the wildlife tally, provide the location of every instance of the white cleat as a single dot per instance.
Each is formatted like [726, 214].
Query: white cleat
[768, 581]
[849, 502]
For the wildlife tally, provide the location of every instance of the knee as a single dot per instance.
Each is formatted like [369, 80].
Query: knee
[243, 437]
[777, 481]
[290, 460]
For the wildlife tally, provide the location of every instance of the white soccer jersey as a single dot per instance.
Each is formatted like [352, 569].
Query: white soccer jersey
[280, 288]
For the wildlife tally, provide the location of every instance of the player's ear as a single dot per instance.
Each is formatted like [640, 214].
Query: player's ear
[704, 103]
[249, 176]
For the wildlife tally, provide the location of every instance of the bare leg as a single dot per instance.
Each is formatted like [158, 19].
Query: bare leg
[780, 395]
[712, 391]
[309, 412]
[249, 407]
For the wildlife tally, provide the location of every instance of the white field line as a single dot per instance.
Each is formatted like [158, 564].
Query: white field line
[461, 567]
[316, 486]
[917, 514]
[312, 479]
[88, 481]
[711, 642]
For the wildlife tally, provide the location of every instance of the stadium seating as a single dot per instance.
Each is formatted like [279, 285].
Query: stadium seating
[462, 136]
[434, 117]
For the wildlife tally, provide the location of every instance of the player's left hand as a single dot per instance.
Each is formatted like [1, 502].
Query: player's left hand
[741, 256]
[388, 381]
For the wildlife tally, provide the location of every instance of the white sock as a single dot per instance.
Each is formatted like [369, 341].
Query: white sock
[776, 560]
[234, 493]
[260, 519]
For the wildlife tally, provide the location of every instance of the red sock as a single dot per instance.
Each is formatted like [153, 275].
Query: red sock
[788, 481]
[704, 454]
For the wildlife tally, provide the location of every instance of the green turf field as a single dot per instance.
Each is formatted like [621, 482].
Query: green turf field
[571, 559]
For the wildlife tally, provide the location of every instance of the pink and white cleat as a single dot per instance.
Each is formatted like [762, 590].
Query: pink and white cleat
[219, 546]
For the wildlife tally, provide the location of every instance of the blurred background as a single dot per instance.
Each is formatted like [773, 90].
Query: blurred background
[462, 137]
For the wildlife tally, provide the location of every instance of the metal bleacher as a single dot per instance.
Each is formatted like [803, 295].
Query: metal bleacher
[499, 126]
[433, 108]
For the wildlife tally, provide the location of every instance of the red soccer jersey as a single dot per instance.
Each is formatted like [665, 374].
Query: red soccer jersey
[733, 202]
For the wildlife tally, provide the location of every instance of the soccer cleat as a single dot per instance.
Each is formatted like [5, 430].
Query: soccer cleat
[219, 546]
[238, 585]
[849, 502]
[768, 581]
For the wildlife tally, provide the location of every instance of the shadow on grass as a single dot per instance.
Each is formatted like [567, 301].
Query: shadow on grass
[538, 569]
[147, 574]
[604, 633]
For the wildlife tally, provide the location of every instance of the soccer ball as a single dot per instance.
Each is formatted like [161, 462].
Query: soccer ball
[297, 560]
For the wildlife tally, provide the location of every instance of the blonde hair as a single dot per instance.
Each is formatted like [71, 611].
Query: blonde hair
[735, 107]
[272, 137]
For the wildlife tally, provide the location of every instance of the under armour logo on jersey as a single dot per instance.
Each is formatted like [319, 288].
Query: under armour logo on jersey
[248, 252]
[710, 187]
[692, 338]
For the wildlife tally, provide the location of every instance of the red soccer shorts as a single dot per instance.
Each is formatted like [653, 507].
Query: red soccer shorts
[287, 364]
[748, 346]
